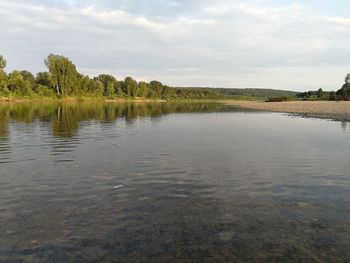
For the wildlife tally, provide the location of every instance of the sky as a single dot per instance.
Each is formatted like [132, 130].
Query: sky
[290, 45]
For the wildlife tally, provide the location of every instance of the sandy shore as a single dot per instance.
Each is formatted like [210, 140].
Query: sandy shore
[336, 110]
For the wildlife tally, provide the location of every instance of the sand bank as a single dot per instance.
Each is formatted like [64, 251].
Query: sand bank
[337, 110]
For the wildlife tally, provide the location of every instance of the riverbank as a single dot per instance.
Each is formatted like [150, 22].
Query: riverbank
[336, 110]
[76, 99]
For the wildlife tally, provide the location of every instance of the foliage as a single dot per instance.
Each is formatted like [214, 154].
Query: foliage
[19, 84]
[3, 81]
[347, 79]
[278, 99]
[44, 91]
[256, 93]
[344, 92]
[44, 79]
[2, 63]
[64, 75]
[63, 79]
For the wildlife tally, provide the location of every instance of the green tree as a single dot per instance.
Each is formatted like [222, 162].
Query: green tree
[345, 89]
[43, 85]
[332, 95]
[320, 93]
[143, 88]
[119, 89]
[28, 76]
[109, 83]
[2, 63]
[18, 84]
[3, 76]
[347, 79]
[44, 79]
[109, 90]
[157, 88]
[130, 87]
[63, 74]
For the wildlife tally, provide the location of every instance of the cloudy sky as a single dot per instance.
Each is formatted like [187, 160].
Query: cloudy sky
[297, 45]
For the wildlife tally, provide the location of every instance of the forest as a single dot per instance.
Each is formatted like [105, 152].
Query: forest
[63, 79]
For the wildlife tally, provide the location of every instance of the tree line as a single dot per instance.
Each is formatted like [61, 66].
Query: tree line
[342, 94]
[63, 79]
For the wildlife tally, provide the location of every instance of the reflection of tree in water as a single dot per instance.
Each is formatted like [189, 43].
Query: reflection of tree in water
[344, 125]
[65, 118]
[5, 147]
[66, 122]
[4, 124]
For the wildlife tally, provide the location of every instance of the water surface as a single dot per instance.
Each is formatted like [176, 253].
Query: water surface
[171, 183]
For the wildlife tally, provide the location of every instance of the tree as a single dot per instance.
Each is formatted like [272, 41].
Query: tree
[44, 79]
[157, 88]
[3, 81]
[320, 93]
[63, 73]
[344, 91]
[119, 88]
[18, 84]
[109, 90]
[347, 79]
[143, 88]
[109, 84]
[130, 86]
[2, 63]
[28, 76]
[3, 76]
[332, 95]
[95, 87]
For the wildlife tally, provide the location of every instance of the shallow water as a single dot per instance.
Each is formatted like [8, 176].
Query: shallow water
[171, 183]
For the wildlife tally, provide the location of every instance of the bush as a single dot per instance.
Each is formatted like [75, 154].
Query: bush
[44, 91]
[278, 99]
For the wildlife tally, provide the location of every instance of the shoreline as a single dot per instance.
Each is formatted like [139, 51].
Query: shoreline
[332, 110]
[83, 99]
[75, 99]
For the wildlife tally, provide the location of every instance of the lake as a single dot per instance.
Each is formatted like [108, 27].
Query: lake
[171, 182]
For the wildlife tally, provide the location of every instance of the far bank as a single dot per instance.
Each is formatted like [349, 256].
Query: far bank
[336, 110]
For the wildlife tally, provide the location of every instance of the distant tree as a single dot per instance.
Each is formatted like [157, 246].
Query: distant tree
[3, 81]
[157, 88]
[168, 92]
[2, 63]
[18, 84]
[109, 89]
[130, 86]
[332, 95]
[143, 88]
[119, 88]
[109, 84]
[95, 87]
[63, 78]
[63, 74]
[44, 79]
[347, 79]
[28, 76]
[3, 76]
[320, 93]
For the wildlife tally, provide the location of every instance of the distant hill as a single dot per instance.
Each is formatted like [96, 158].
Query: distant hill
[254, 93]
[265, 93]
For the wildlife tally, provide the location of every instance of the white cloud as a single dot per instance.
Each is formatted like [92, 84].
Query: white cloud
[228, 43]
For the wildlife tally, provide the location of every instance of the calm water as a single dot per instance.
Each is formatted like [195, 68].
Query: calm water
[171, 183]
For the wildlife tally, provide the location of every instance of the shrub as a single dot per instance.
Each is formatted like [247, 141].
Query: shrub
[277, 99]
